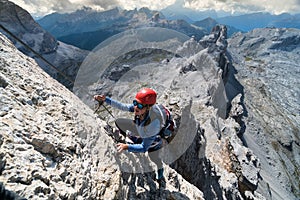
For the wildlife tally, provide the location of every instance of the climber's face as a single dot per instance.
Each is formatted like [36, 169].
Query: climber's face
[139, 109]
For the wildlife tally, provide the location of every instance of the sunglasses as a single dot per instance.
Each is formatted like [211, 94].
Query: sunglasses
[139, 105]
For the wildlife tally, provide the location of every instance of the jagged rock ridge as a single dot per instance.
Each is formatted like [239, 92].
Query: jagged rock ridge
[267, 61]
[218, 141]
[209, 113]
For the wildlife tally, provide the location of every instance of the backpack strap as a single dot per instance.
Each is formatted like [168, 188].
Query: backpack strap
[160, 108]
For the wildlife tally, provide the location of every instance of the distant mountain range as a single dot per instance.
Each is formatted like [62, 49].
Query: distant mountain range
[261, 20]
[177, 11]
[209, 23]
[244, 22]
[86, 28]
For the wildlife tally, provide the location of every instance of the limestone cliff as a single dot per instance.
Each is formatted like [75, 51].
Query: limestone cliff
[52, 146]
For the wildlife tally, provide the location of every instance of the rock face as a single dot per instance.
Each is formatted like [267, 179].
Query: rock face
[62, 57]
[223, 138]
[267, 61]
[206, 100]
[226, 169]
[52, 146]
[20, 23]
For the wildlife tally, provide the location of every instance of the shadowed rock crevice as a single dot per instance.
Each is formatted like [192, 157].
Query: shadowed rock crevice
[204, 176]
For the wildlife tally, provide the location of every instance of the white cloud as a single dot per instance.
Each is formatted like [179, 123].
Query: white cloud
[42, 7]
[240, 6]
[154, 4]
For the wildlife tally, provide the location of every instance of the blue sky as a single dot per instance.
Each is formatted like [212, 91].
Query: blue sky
[40, 8]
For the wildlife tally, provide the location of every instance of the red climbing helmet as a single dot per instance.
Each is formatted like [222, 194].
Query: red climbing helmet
[146, 96]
